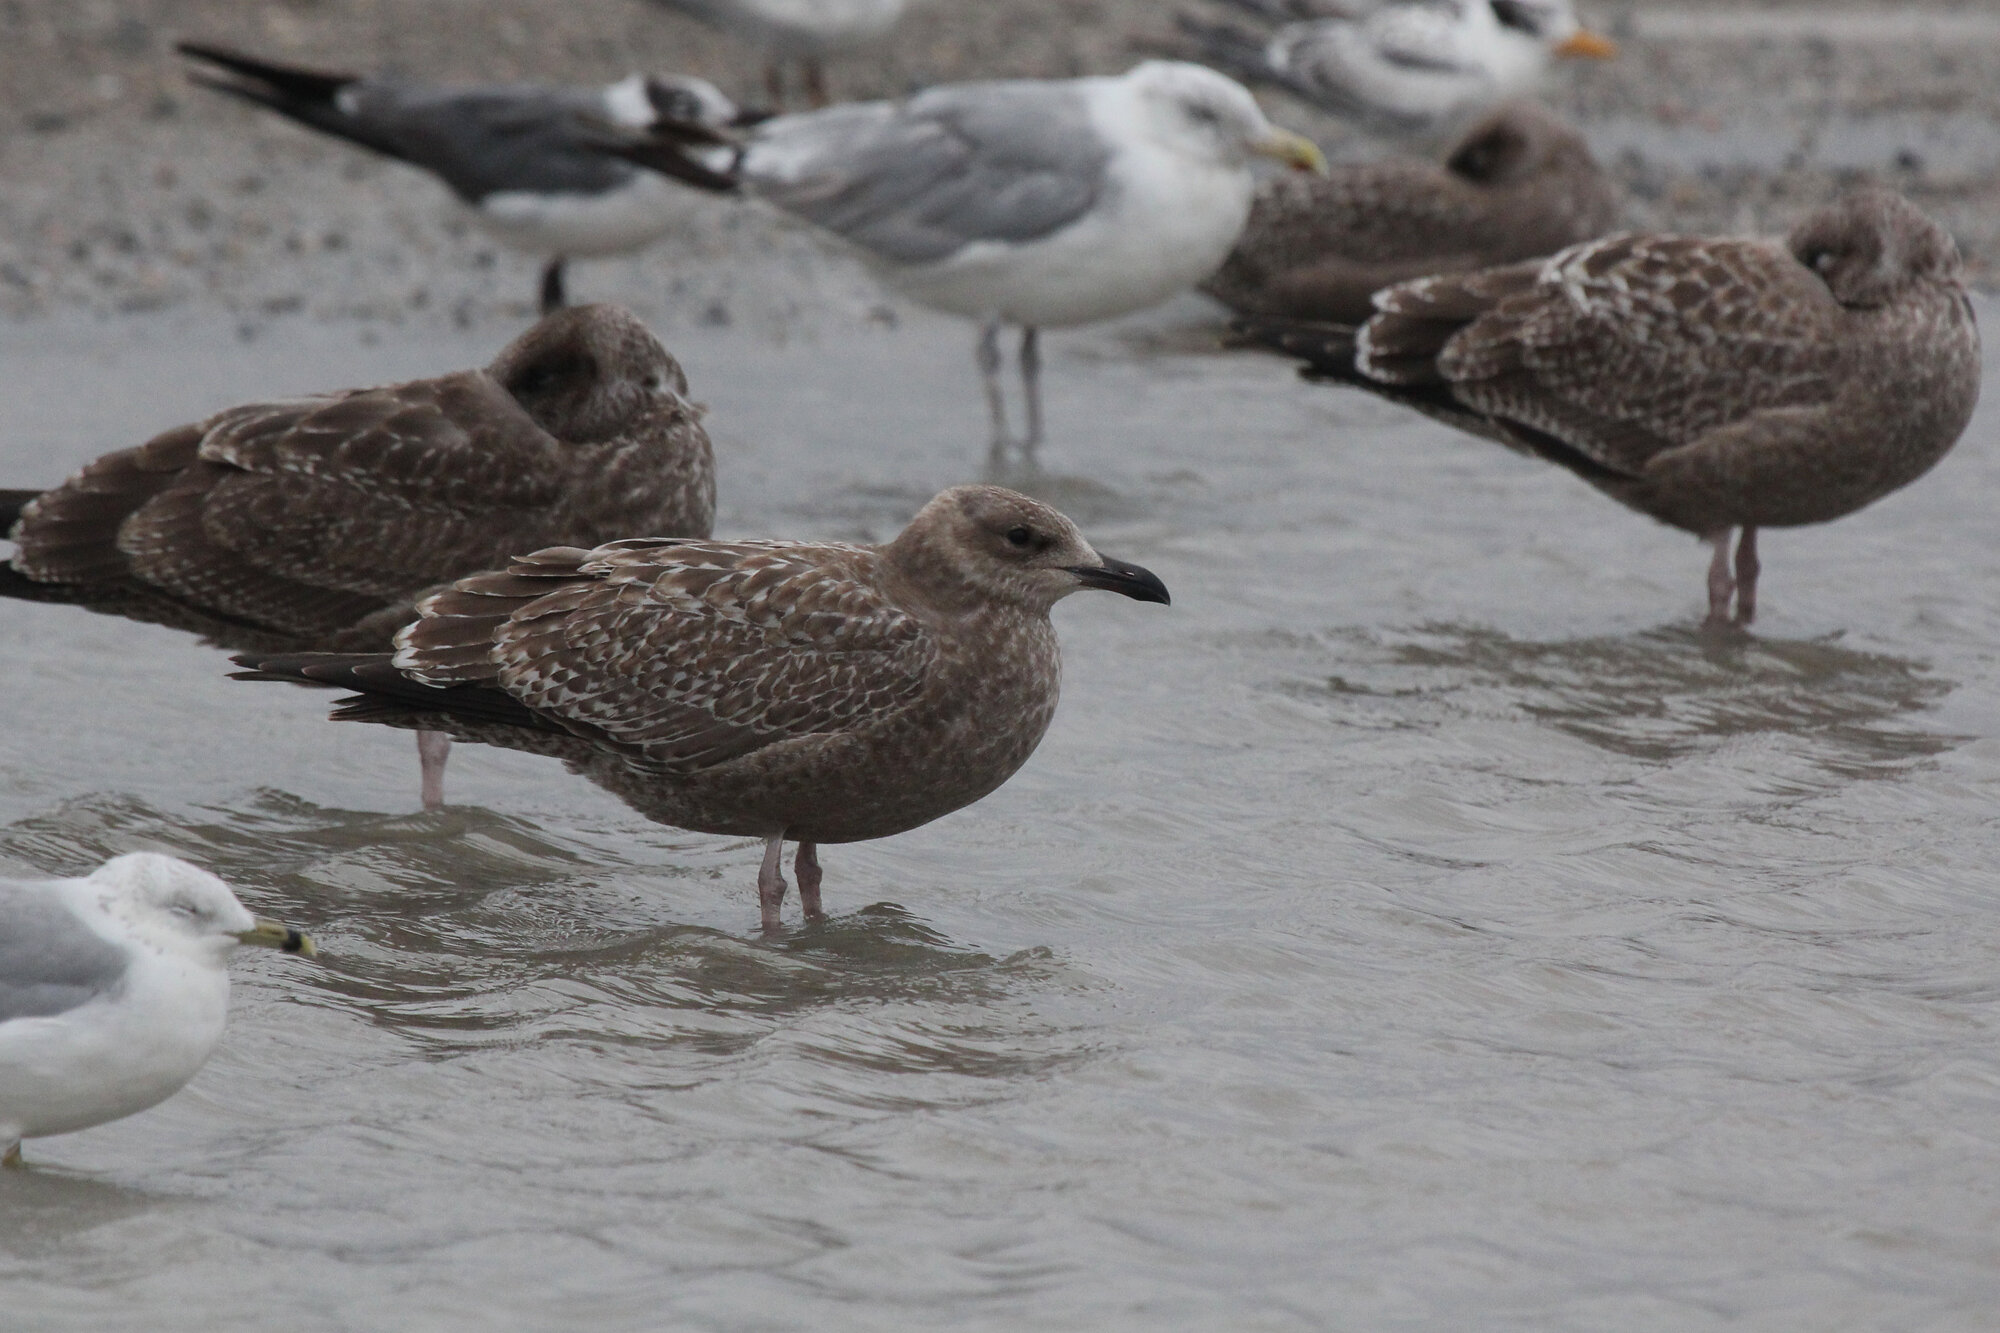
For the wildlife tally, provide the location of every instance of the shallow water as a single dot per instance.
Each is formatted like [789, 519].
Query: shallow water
[1416, 925]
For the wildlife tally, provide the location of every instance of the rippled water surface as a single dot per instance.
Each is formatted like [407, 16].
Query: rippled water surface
[1416, 925]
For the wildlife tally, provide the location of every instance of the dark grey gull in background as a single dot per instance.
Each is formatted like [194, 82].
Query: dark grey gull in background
[806, 31]
[113, 990]
[1400, 68]
[1033, 202]
[315, 522]
[1518, 185]
[767, 689]
[1711, 383]
[519, 156]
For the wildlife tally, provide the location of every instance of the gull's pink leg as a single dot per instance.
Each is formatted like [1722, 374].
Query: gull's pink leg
[771, 881]
[1721, 586]
[806, 866]
[433, 748]
[1746, 576]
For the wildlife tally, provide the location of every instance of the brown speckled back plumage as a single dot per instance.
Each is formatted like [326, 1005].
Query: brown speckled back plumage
[818, 691]
[1712, 383]
[1718, 385]
[315, 522]
[1519, 184]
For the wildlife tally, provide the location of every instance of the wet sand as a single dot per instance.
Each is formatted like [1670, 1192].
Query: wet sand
[129, 190]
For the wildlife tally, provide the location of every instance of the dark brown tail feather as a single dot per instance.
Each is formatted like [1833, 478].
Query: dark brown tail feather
[383, 692]
[1329, 352]
[1327, 349]
[11, 505]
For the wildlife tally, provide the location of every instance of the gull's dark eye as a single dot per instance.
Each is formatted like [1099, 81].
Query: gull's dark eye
[1204, 114]
[1018, 535]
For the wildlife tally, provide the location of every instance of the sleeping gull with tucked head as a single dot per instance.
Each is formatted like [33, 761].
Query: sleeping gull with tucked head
[520, 157]
[1716, 384]
[315, 522]
[1033, 202]
[113, 990]
[778, 690]
[1519, 184]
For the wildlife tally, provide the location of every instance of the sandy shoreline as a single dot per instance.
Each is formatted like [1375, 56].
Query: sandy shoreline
[130, 191]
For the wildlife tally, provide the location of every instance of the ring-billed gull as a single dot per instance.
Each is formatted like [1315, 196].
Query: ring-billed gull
[1033, 202]
[1403, 67]
[807, 31]
[1519, 184]
[315, 522]
[521, 157]
[1713, 384]
[810, 691]
[113, 990]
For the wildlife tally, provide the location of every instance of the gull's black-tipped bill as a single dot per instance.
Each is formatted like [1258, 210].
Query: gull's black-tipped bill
[1122, 576]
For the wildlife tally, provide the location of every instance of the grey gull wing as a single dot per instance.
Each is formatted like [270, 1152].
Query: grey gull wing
[916, 181]
[50, 962]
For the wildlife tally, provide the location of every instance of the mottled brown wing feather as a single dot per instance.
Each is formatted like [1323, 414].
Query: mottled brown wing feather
[1625, 348]
[690, 653]
[372, 491]
[70, 534]
[169, 547]
[455, 440]
[1318, 247]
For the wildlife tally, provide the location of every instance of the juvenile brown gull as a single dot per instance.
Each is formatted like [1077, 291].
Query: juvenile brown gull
[113, 990]
[1711, 383]
[1402, 67]
[314, 523]
[1034, 202]
[520, 157]
[768, 689]
[1519, 184]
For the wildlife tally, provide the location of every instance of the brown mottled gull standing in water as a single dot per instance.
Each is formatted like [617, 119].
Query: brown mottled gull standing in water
[314, 523]
[1519, 184]
[769, 689]
[1714, 384]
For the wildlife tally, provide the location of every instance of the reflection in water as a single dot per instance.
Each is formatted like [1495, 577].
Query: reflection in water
[1659, 694]
[44, 1207]
[461, 928]
[1088, 502]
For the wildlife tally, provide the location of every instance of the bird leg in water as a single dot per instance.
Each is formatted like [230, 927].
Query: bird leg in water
[806, 867]
[12, 1157]
[815, 72]
[433, 748]
[771, 882]
[553, 296]
[1031, 387]
[1746, 576]
[1721, 584]
[996, 404]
